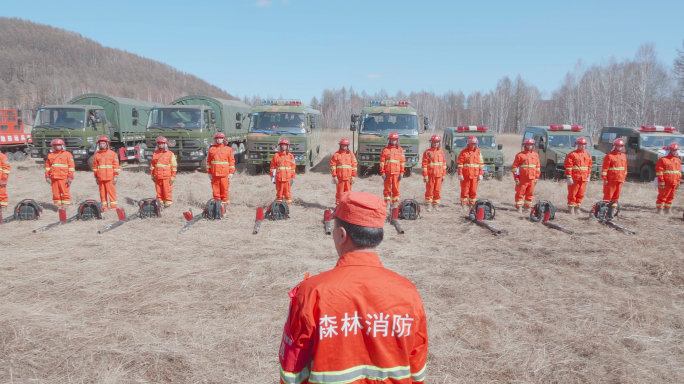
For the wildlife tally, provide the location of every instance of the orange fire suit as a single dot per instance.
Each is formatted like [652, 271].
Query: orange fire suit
[356, 323]
[392, 163]
[434, 167]
[526, 171]
[60, 168]
[669, 173]
[470, 166]
[221, 164]
[343, 166]
[283, 166]
[614, 171]
[578, 168]
[4, 176]
[106, 168]
[163, 168]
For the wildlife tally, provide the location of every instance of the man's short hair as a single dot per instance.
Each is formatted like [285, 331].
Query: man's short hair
[361, 236]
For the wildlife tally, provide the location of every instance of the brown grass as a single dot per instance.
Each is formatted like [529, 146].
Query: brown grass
[145, 304]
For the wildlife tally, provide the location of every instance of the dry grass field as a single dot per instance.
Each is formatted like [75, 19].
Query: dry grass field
[144, 304]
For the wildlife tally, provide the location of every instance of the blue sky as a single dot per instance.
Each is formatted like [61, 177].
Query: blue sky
[296, 48]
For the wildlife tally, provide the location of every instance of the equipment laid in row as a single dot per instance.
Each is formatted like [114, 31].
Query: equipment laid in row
[604, 213]
[26, 209]
[482, 210]
[544, 212]
[147, 208]
[213, 210]
[89, 209]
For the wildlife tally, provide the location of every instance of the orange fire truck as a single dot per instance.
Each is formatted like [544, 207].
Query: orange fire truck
[13, 140]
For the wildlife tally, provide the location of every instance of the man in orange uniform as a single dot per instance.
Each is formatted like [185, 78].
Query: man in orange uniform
[357, 322]
[221, 168]
[343, 166]
[526, 172]
[163, 170]
[470, 171]
[434, 170]
[106, 171]
[578, 174]
[283, 169]
[392, 162]
[614, 172]
[59, 172]
[669, 173]
[4, 176]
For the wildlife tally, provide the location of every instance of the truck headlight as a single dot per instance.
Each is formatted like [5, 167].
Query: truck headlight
[149, 153]
[196, 153]
[36, 151]
[499, 160]
[561, 160]
[253, 155]
[80, 152]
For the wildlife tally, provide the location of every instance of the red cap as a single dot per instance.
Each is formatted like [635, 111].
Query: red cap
[361, 208]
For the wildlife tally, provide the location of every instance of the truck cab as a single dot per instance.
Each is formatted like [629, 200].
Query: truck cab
[553, 143]
[455, 140]
[643, 146]
[374, 124]
[276, 119]
[14, 141]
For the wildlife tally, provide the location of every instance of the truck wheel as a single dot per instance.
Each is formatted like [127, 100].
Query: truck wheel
[10, 156]
[551, 172]
[499, 173]
[647, 173]
[303, 168]
[91, 160]
[408, 171]
[19, 156]
[258, 169]
[362, 170]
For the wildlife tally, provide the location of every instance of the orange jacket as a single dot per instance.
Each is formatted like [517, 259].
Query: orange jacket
[669, 170]
[470, 163]
[343, 165]
[220, 161]
[578, 165]
[526, 166]
[106, 165]
[284, 165]
[355, 323]
[163, 165]
[5, 166]
[614, 167]
[60, 165]
[392, 160]
[434, 163]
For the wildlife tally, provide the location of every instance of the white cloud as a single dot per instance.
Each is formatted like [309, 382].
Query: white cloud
[286, 2]
[263, 3]
[374, 76]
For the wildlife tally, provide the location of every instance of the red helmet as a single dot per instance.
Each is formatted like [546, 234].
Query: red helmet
[344, 141]
[57, 141]
[219, 135]
[528, 141]
[103, 138]
[472, 140]
[162, 140]
[582, 140]
[436, 138]
[619, 142]
[673, 147]
[394, 135]
[284, 140]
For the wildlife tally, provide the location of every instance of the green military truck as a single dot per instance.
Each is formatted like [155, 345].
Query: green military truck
[555, 142]
[377, 120]
[190, 124]
[275, 119]
[86, 117]
[643, 146]
[456, 140]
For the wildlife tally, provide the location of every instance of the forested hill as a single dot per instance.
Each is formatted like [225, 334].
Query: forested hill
[40, 64]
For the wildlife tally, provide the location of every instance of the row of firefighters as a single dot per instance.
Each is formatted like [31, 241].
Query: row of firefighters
[220, 166]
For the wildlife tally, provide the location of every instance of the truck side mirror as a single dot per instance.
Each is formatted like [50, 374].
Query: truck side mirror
[354, 118]
[352, 127]
[542, 146]
[634, 145]
[499, 147]
[313, 124]
[19, 120]
[18, 112]
[238, 125]
[238, 116]
[135, 121]
[596, 146]
[425, 123]
[448, 147]
[135, 114]
[212, 114]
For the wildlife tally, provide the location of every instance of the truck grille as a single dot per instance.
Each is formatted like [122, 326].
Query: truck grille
[69, 142]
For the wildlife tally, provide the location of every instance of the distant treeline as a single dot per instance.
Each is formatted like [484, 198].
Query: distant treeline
[40, 65]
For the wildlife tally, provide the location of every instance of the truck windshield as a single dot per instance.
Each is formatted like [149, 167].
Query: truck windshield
[276, 121]
[566, 140]
[661, 141]
[175, 118]
[54, 118]
[482, 141]
[385, 123]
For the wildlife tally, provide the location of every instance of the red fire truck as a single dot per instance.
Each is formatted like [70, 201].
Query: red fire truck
[13, 140]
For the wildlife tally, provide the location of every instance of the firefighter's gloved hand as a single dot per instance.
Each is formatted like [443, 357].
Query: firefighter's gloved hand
[69, 181]
[570, 181]
[460, 177]
[480, 177]
[353, 180]
[588, 179]
[401, 177]
[517, 182]
[171, 180]
[3, 183]
[97, 181]
[425, 179]
[334, 181]
[291, 182]
[230, 177]
[48, 180]
[152, 177]
[605, 182]
[116, 179]
[661, 185]
[273, 179]
[209, 176]
[384, 177]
